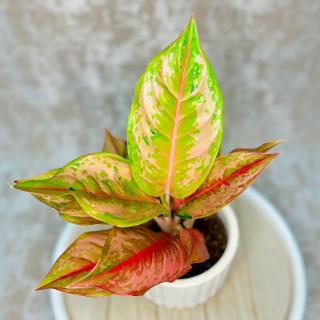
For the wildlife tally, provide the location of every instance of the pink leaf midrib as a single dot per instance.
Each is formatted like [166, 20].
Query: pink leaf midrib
[176, 119]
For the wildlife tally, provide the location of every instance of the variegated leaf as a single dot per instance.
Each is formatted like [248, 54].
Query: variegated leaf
[75, 263]
[114, 145]
[263, 148]
[67, 206]
[102, 185]
[176, 120]
[136, 259]
[231, 174]
[124, 261]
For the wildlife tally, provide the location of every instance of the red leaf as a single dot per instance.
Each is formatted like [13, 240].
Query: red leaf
[193, 241]
[136, 259]
[124, 261]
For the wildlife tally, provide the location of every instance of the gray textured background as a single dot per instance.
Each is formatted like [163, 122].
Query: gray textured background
[68, 69]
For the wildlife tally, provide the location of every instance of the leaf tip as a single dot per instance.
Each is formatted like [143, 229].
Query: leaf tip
[45, 283]
[274, 155]
[17, 184]
[40, 286]
[191, 28]
[270, 156]
[275, 143]
[11, 185]
[192, 23]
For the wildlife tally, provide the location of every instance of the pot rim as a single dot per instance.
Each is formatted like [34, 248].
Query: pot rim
[230, 222]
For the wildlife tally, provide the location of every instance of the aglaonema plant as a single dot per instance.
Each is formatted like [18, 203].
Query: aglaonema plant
[169, 171]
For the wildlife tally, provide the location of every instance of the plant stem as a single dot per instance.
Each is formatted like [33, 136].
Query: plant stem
[167, 198]
[189, 223]
[167, 224]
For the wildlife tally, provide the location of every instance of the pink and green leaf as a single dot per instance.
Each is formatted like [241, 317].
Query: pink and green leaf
[75, 263]
[66, 204]
[136, 259]
[99, 185]
[67, 207]
[176, 120]
[114, 145]
[230, 175]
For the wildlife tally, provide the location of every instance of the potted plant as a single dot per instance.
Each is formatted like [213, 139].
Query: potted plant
[159, 191]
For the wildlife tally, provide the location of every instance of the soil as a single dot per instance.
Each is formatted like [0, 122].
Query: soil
[216, 240]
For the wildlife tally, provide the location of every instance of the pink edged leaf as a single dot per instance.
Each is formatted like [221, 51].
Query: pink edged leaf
[194, 242]
[136, 259]
[95, 188]
[114, 145]
[75, 263]
[230, 175]
[263, 148]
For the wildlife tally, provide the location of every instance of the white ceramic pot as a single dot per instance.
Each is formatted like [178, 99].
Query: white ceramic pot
[186, 293]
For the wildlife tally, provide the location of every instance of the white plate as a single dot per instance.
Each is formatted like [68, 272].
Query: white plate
[267, 280]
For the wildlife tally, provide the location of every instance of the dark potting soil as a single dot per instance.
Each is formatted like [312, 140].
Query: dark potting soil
[216, 240]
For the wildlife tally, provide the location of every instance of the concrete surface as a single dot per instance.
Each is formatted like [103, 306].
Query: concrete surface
[68, 69]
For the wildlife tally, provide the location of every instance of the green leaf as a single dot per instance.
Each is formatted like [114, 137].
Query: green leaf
[176, 120]
[103, 187]
[67, 206]
[75, 263]
[231, 174]
[114, 145]
[136, 259]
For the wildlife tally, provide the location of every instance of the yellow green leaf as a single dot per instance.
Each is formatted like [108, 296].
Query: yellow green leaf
[176, 120]
[99, 184]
